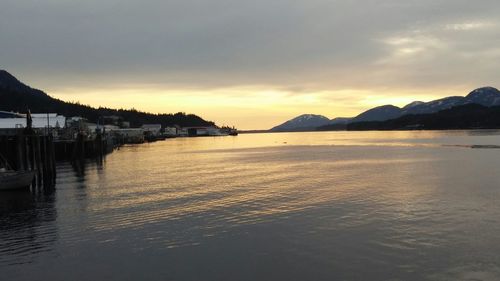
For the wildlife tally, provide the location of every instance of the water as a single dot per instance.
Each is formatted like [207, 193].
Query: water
[294, 206]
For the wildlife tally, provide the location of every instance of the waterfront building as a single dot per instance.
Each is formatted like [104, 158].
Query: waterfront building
[11, 120]
[130, 135]
[152, 129]
[203, 131]
[171, 131]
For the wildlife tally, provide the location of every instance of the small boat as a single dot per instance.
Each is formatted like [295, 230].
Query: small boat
[11, 179]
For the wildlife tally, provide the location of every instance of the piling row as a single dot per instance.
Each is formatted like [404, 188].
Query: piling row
[26, 151]
[82, 148]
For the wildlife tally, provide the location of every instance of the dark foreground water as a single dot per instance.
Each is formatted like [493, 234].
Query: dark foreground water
[301, 206]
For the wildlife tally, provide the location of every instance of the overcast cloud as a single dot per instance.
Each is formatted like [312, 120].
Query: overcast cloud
[299, 46]
[231, 42]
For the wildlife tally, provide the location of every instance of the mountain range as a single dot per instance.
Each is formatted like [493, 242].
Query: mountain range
[18, 97]
[467, 116]
[305, 122]
[486, 97]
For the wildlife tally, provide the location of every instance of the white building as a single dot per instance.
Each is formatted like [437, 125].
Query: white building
[182, 132]
[203, 131]
[171, 131]
[93, 128]
[153, 129]
[133, 135]
[10, 120]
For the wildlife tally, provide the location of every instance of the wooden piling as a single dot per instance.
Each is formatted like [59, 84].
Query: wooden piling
[25, 150]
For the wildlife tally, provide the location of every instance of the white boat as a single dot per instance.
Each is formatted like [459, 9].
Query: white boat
[10, 179]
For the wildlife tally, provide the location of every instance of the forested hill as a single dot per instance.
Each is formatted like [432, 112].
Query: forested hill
[18, 97]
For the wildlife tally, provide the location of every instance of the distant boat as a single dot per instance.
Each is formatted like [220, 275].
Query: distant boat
[10, 179]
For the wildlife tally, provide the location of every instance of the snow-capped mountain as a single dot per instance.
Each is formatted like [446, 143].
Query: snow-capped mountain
[432, 106]
[413, 105]
[380, 113]
[486, 96]
[302, 122]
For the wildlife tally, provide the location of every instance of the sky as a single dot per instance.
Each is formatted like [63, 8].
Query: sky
[251, 64]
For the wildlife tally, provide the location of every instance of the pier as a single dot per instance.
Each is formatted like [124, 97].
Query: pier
[27, 145]
[83, 147]
[26, 150]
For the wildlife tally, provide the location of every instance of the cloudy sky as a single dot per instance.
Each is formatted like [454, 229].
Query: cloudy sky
[251, 64]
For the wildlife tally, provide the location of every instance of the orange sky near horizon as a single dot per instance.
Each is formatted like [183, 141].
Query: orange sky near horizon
[250, 108]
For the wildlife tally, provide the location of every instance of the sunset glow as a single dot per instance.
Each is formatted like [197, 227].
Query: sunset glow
[238, 106]
[242, 65]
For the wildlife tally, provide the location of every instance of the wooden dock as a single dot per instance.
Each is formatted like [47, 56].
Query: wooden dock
[81, 147]
[25, 150]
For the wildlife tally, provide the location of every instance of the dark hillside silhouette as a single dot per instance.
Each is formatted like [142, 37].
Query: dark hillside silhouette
[18, 97]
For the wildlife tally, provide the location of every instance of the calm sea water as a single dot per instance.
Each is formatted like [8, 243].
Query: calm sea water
[294, 206]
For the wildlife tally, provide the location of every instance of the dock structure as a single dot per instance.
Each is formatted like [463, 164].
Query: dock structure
[30, 150]
[26, 150]
[84, 147]
[34, 142]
